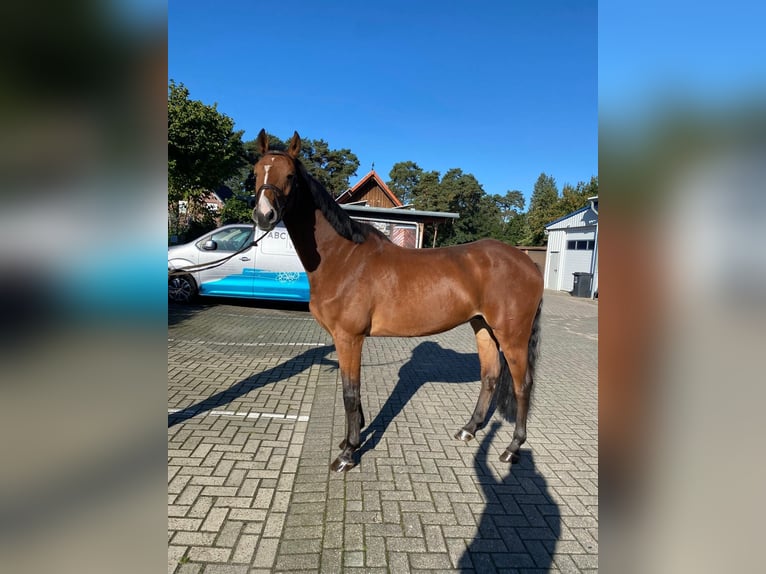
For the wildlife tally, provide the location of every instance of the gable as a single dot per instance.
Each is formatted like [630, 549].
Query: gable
[372, 191]
[583, 217]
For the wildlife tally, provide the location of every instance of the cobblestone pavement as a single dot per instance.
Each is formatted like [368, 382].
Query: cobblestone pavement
[255, 416]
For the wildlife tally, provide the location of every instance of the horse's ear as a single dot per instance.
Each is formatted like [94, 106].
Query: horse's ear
[295, 146]
[263, 141]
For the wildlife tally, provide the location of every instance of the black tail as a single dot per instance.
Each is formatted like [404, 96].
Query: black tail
[505, 396]
[533, 349]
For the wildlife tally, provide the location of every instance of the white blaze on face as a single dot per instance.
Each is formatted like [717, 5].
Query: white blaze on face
[264, 206]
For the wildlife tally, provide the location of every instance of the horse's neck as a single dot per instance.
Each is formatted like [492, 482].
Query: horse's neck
[314, 238]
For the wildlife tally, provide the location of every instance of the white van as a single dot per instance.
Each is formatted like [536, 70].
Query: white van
[270, 270]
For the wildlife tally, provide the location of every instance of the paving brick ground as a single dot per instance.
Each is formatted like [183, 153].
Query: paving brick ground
[255, 415]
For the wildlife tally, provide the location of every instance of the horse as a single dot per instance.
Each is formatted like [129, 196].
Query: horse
[355, 272]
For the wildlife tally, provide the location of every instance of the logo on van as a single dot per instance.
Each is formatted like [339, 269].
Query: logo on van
[287, 276]
[278, 235]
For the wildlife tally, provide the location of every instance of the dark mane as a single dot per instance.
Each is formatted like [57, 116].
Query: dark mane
[346, 227]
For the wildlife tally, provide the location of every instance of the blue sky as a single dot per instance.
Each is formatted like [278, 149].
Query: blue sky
[654, 54]
[502, 90]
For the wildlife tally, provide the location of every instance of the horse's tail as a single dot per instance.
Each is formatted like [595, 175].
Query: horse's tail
[505, 395]
[533, 348]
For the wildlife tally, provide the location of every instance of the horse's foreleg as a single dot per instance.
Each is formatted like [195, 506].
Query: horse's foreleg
[350, 359]
[489, 357]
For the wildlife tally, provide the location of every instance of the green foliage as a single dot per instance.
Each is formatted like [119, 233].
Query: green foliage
[427, 194]
[203, 148]
[547, 206]
[236, 209]
[513, 227]
[574, 198]
[405, 177]
[543, 208]
[333, 168]
[199, 220]
[478, 213]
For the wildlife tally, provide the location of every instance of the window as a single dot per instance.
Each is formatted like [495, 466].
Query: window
[581, 244]
[230, 239]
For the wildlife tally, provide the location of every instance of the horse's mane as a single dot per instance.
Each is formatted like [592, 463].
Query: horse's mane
[335, 215]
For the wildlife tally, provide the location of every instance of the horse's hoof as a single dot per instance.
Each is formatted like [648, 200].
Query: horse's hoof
[463, 435]
[509, 456]
[339, 465]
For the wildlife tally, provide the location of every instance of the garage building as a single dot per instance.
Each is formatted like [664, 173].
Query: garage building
[573, 248]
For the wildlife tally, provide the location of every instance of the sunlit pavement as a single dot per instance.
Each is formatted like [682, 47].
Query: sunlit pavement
[255, 416]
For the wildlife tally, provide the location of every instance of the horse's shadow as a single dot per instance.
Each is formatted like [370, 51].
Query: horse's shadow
[289, 368]
[520, 523]
[430, 363]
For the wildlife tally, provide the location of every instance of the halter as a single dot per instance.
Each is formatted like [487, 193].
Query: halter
[278, 196]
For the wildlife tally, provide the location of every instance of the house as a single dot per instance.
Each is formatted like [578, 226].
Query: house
[214, 200]
[371, 200]
[573, 248]
[372, 191]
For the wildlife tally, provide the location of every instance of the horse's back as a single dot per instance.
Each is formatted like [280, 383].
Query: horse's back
[437, 289]
[481, 259]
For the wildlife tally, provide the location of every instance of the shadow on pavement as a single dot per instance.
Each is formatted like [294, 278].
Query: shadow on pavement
[520, 524]
[430, 363]
[289, 368]
[180, 312]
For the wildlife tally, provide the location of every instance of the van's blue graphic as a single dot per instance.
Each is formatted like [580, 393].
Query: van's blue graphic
[260, 284]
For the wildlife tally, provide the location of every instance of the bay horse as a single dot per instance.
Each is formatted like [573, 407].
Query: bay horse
[363, 285]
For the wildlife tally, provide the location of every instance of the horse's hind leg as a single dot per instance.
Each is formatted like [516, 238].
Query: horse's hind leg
[517, 359]
[489, 357]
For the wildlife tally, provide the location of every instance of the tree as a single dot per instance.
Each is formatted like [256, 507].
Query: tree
[456, 192]
[333, 168]
[479, 215]
[203, 148]
[405, 177]
[542, 208]
[204, 151]
[427, 196]
[574, 198]
[510, 203]
[236, 209]
[513, 219]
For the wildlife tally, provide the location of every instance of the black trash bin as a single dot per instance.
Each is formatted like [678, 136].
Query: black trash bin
[582, 283]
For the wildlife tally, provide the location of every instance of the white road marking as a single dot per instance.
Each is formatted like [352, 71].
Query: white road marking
[251, 415]
[237, 344]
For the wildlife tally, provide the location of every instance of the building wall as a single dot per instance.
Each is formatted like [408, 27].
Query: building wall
[568, 261]
[373, 195]
[536, 254]
[376, 198]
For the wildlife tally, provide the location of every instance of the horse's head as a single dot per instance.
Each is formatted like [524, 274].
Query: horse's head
[275, 178]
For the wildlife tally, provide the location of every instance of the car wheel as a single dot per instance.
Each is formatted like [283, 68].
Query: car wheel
[181, 289]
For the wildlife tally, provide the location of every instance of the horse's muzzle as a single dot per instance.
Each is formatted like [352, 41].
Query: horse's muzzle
[267, 221]
[265, 214]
